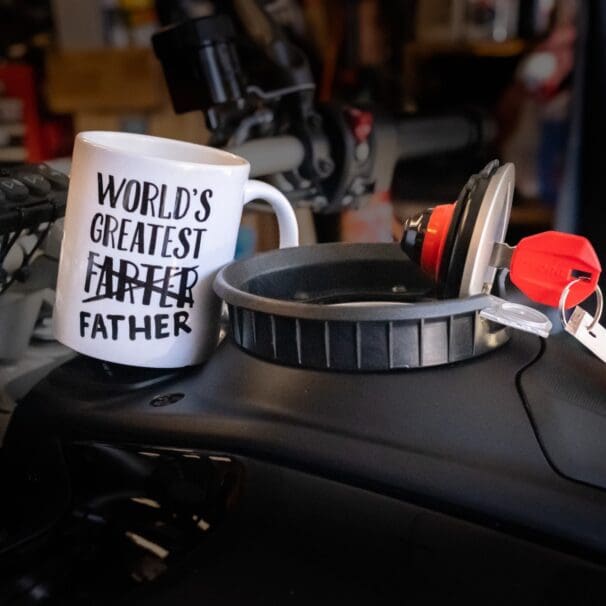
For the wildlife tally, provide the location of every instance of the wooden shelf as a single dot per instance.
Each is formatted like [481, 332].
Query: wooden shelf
[507, 48]
[531, 215]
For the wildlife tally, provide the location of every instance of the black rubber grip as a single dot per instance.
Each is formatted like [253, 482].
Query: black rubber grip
[30, 195]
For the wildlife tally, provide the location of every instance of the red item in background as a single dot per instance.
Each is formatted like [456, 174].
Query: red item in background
[18, 81]
[372, 223]
[43, 139]
[544, 264]
[360, 122]
[546, 68]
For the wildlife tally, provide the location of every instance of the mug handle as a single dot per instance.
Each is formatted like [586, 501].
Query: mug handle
[287, 220]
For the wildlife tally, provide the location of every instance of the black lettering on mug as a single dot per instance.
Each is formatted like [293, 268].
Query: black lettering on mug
[167, 241]
[161, 325]
[98, 327]
[136, 283]
[154, 227]
[184, 240]
[180, 319]
[134, 328]
[205, 197]
[132, 196]
[115, 319]
[90, 270]
[137, 244]
[110, 190]
[84, 324]
[181, 203]
[148, 196]
[146, 327]
[110, 227]
[128, 274]
[123, 234]
[96, 231]
[162, 214]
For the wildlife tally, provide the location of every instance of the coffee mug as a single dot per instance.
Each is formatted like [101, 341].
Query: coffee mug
[149, 221]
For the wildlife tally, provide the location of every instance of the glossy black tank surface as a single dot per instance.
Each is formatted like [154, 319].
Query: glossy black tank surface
[464, 446]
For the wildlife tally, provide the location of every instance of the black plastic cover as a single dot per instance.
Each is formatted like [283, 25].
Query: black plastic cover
[455, 438]
[565, 392]
[200, 63]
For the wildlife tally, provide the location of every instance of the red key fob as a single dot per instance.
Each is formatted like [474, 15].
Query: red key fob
[544, 264]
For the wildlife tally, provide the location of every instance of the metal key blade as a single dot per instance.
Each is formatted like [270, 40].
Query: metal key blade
[520, 317]
[501, 255]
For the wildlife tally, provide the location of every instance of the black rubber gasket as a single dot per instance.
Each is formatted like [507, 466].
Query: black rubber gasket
[461, 231]
[453, 230]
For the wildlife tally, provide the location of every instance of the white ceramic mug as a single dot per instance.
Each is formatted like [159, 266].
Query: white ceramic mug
[149, 222]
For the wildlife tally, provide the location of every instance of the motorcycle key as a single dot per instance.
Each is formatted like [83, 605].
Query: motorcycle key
[545, 264]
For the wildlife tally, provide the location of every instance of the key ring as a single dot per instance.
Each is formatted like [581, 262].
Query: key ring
[598, 309]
